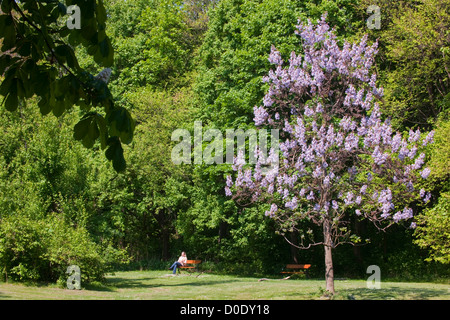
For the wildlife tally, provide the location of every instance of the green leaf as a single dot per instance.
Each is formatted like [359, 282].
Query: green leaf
[100, 12]
[5, 62]
[44, 106]
[25, 49]
[93, 131]
[66, 54]
[105, 53]
[104, 48]
[87, 130]
[3, 18]
[74, 37]
[40, 83]
[81, 128]
[22, 90]
[121, 124]
[12, 102]
[6, 6]
[101, 123]
[59, 107]
[9, 38]
[8, 31]
[92, 50]
[115, 154]
[61, 53]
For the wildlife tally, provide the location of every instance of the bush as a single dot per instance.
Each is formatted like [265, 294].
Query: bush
[41, 250]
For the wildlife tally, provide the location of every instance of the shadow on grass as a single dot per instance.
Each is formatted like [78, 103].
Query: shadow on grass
[3, 296]
[98, 287]
[126, 283]
[396, 293]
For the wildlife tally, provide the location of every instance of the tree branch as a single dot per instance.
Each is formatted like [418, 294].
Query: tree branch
[19, 10]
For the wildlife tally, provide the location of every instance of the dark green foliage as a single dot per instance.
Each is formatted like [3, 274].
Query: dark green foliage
[234, 55]
[38, 58]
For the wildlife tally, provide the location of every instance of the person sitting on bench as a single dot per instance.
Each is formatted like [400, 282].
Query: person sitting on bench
[181, 262]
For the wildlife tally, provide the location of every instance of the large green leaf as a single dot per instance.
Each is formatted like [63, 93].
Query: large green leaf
[12, 102]
[44, 106]
[115, 154]
[81, 128]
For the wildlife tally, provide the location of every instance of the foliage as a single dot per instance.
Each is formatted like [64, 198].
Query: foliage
[139, 208]
[433, 230]
[45, 188]
[433, 223]
[233, 56]
[154, 42]
[170, 65]
[41, 250]
[38, 59]
[414, 59]
[439, 159]
[337, 154]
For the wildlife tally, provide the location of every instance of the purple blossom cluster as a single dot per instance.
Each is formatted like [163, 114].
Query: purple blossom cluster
[336, 149]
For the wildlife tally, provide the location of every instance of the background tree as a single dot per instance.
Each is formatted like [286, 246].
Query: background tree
[337, 156]
[414, 60]
[433, 223]
[154, 42]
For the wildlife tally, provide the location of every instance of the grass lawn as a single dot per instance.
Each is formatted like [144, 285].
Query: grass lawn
[161, 285]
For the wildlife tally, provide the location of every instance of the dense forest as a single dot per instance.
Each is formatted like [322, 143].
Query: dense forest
[69, 196]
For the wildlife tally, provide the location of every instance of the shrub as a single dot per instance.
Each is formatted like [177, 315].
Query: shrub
[41, 250]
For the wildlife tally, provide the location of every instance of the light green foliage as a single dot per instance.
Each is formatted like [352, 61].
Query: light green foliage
[46, 187]
[434, 222]
[433, 231]
[166, 54]
[42, 250]
[231, 63]
[440, 151]
[233, 57]
[143, 204]
[414, 59]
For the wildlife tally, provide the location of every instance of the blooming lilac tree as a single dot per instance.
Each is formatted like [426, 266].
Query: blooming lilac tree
[337, 157]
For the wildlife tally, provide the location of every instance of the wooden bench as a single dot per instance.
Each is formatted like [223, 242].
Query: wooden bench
[190, 264]
[297, 269]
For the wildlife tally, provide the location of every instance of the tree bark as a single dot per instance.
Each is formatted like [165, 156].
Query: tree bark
[294, 250]
[165, 235]
[357, 249]
[328, 246]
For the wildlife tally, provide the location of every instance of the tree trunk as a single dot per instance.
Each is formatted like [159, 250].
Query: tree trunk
[357, 249]
[165, 235]
[328, 245]
[294, 250]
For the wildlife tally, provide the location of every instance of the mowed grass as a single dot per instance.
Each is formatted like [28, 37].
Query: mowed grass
[161, 285]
